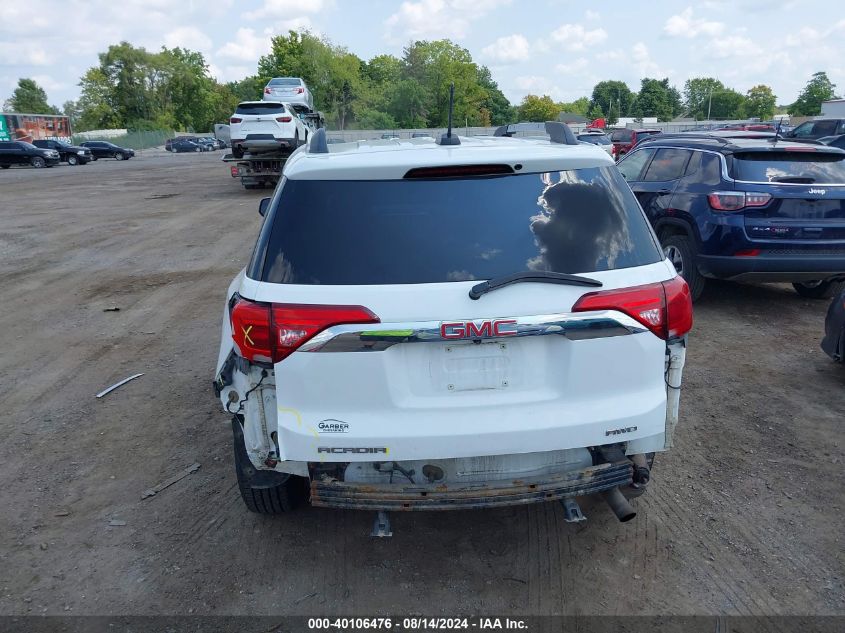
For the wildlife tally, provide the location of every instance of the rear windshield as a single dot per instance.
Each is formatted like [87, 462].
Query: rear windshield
[595, 139]
[429, 231]
[800, 167]
[285, 81]
[267, 107]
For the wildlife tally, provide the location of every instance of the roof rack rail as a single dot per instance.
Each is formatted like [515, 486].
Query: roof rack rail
[558, 131]
[318, 144]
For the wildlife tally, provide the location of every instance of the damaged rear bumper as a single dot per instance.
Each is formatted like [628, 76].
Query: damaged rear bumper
[331, 493]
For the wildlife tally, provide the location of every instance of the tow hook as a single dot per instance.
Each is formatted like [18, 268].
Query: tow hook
[642, 473]
[381, 526]
[572, 511]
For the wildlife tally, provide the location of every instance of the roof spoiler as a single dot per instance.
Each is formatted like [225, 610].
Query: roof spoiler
[558, 131]
[318, 144]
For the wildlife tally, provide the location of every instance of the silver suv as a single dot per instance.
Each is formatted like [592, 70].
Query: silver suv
[289, 90]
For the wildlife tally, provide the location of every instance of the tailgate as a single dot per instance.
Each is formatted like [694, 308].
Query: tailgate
[407, 392]
[799, 212]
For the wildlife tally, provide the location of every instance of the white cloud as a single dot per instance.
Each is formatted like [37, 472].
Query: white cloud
[574, 67]
[436, 19]
[614, 55]
[508, 49]
[575, 37]
[283, 9]
[734, 46]
[188, 37]
[592, 15]
[30, 53]
[642, 61]
[685, 25]
[247, 46]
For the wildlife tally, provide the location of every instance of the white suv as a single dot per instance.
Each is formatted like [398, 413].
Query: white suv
[440, 326]
[266, 127]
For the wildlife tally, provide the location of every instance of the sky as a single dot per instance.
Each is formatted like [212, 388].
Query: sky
[555, 47]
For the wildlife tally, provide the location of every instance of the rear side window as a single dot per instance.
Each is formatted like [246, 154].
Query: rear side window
[796, 167]
[285, 81]
[440, 230]
[668, 164]
[268, 107]
[824, 128]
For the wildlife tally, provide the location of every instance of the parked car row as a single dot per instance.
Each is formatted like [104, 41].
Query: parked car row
[47, 153]
[193, 144]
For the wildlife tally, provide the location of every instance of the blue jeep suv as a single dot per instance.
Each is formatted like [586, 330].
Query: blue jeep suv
[744, 209]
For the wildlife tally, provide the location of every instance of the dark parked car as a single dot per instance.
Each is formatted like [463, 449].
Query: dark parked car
[22, 153]
[177, 145]
[70, 154]
[104, 149]
[744, 209]
[817, 129]
[833, 342]
[623, 140]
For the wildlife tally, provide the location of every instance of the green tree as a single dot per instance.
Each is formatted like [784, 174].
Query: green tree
[579, 106]
[408, 104]
[534, 108]
[248, 89]
[374, 120]
[496, 104]
[657, 99]
[809, 103]
[760, 102]
[614, 98]
[698, 92]
[30, 98]
[727, 104]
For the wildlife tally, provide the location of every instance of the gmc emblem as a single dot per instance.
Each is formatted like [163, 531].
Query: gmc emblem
[478, 329]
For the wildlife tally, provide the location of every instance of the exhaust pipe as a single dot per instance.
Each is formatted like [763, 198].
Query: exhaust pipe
[621, 507]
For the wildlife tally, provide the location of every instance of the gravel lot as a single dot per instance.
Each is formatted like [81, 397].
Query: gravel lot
[743, 517]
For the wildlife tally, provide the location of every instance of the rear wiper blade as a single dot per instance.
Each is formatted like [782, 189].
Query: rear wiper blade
[803, 180]
[540, 277]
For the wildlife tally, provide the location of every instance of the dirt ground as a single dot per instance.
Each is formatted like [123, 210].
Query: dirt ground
[743, 517]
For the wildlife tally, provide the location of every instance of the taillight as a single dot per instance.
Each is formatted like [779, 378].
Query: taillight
[267, 91]
[736, 200]
[283, 119]
[664, 308]
[235, 119]
[271, 332]
[299, 91]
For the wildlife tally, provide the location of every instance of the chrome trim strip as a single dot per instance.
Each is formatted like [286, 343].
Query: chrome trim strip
[377, 337]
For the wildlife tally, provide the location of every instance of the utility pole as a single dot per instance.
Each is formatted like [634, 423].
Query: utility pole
[709, 102]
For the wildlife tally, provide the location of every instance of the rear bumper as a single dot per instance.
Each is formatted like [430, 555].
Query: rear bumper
[407, 497]
[781, 268]
[266, 142]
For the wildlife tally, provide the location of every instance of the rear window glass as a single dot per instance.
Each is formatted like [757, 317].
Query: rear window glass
[621, 135]
[595, 139]
[440, 230]
[285, 81]
[800, 167]
[267, 107]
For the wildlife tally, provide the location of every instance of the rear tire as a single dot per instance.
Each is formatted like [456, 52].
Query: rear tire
[119, 157]
[265, 492]
[822, 289]
[72, 160]
[37, 161]
[681, 252]
[5, 166]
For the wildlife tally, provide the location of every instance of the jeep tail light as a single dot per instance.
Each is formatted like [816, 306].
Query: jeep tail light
[235, 119]
[283, 119]
[664, 308]
[736, 200]
[270, 332]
